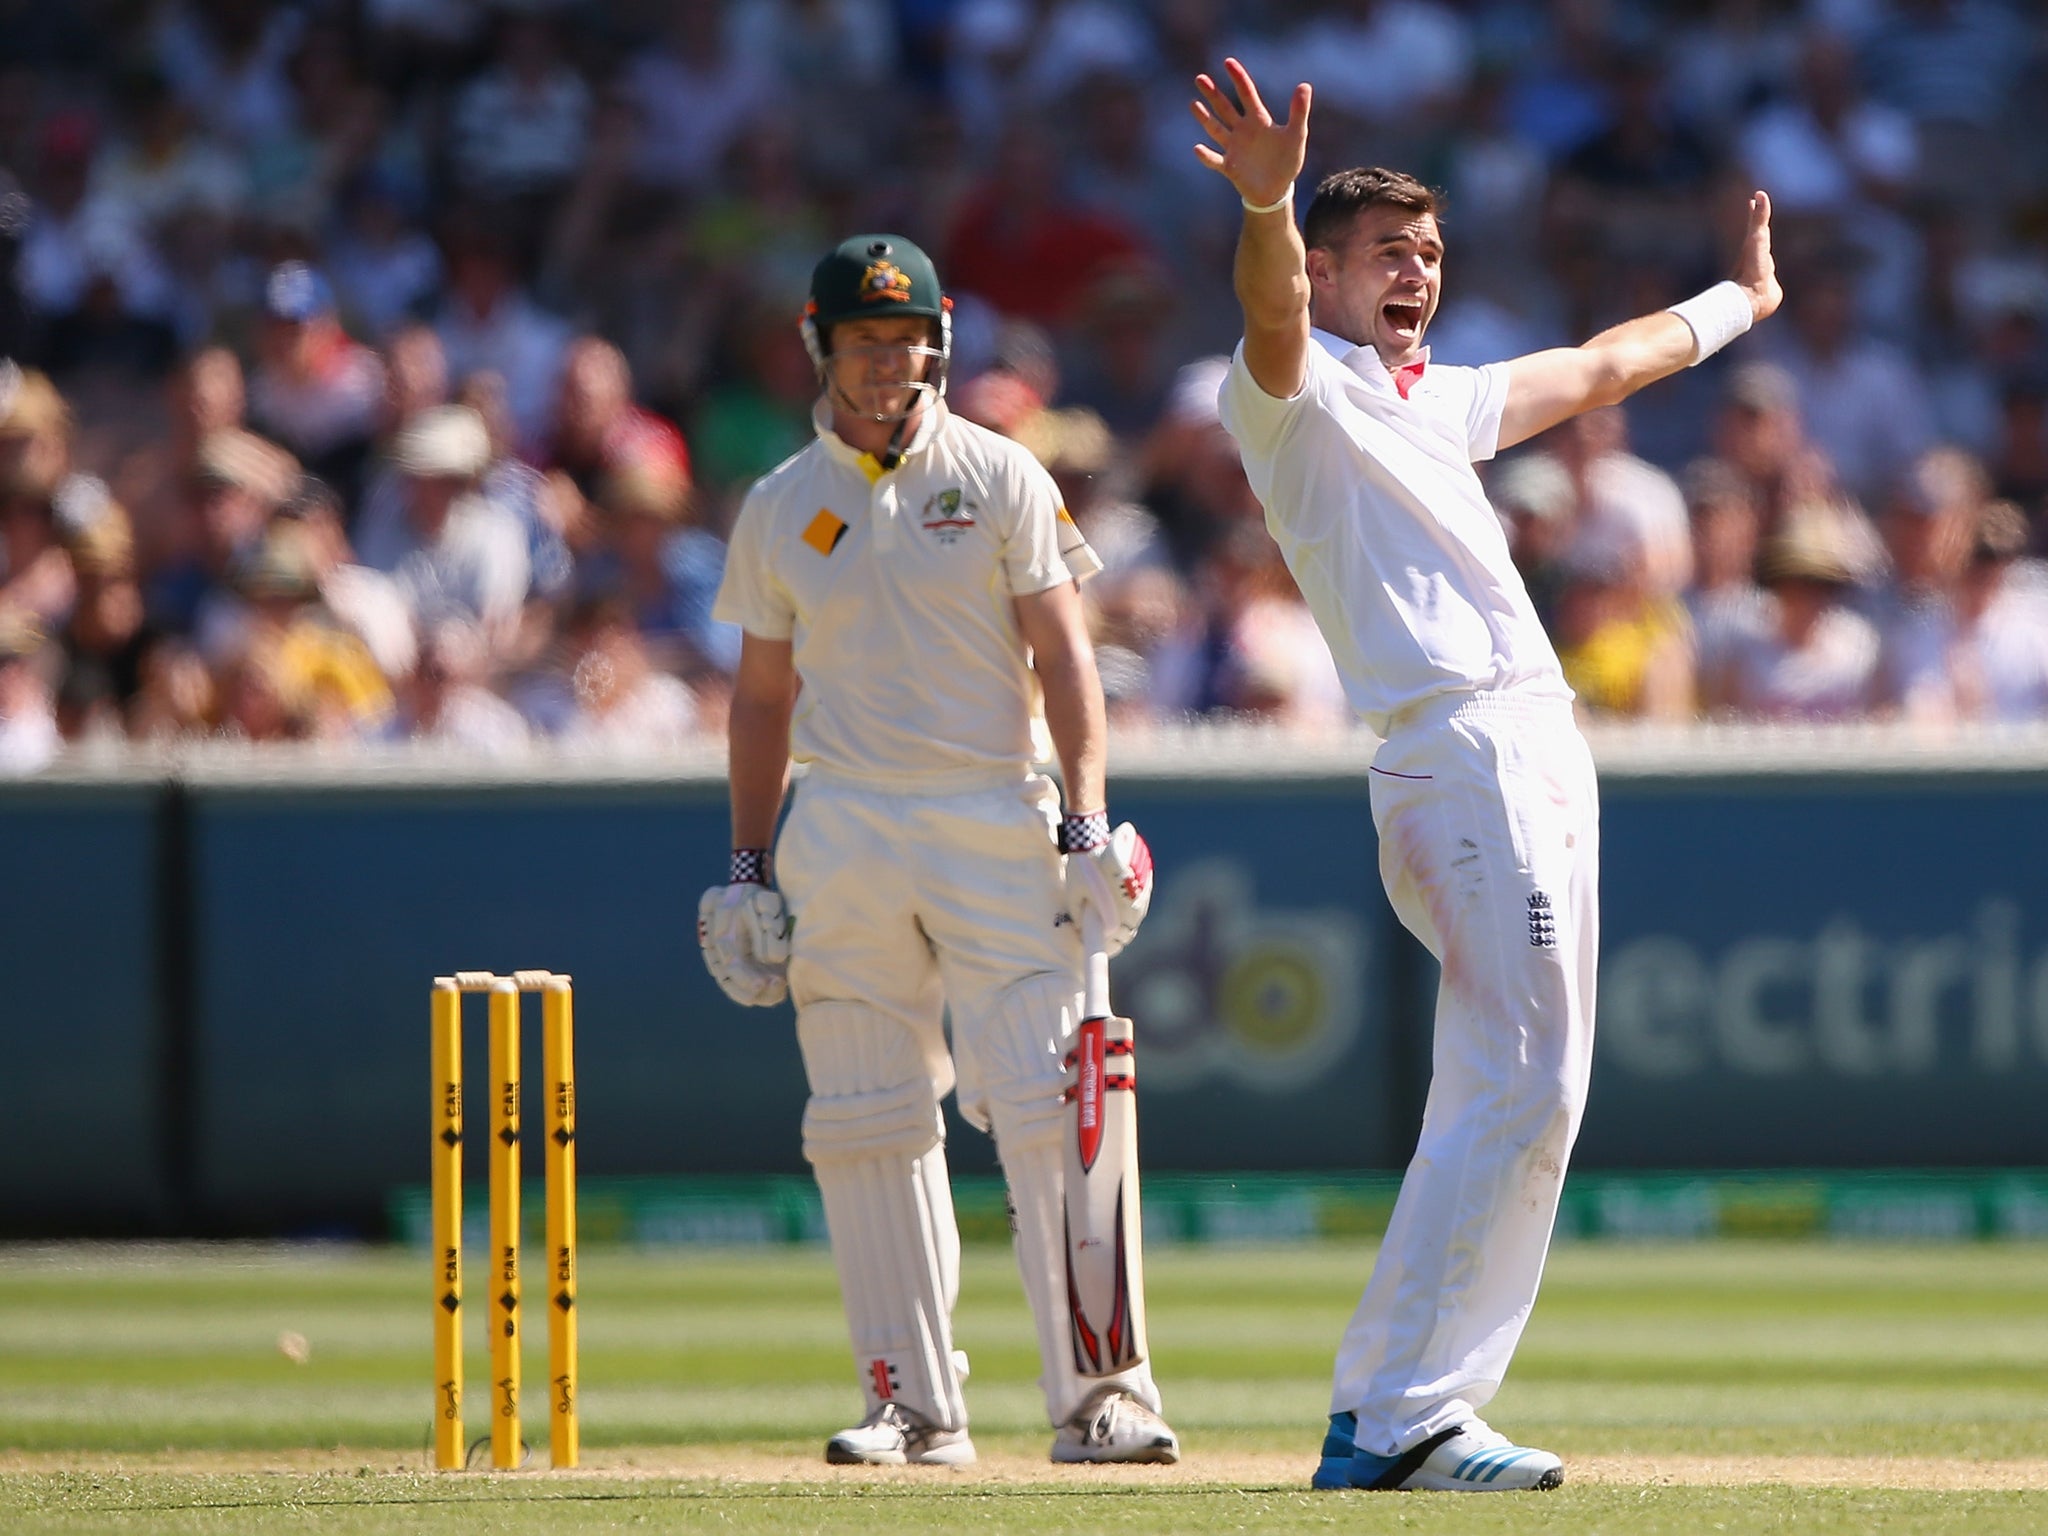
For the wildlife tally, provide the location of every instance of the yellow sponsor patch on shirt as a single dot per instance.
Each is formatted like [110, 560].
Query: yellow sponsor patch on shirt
[825, 532]
[1066, 517]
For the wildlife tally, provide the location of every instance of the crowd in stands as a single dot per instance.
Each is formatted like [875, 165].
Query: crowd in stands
[386, 370]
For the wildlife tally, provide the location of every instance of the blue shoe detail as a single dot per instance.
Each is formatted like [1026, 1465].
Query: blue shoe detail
[1339, 1444]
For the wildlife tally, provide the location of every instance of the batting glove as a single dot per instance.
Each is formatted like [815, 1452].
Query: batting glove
[1110, 872]
[743, 929]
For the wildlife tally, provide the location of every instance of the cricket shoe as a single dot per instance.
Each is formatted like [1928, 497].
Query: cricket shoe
[1467, 1458]
[1116, 1427]
[895, 1436]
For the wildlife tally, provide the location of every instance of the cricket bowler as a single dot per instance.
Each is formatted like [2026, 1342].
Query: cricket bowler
[1361, 451]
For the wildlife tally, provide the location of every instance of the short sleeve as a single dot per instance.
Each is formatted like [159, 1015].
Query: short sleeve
[1483, 410]
[1256, 419]
[1044, 547]
[748, 593]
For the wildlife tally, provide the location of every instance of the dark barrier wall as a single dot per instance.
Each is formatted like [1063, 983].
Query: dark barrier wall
[218, 989]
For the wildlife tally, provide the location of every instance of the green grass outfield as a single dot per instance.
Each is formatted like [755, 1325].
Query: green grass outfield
[1734, 1386]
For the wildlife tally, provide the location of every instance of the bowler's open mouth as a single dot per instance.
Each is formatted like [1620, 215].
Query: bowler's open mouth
[1403, 317]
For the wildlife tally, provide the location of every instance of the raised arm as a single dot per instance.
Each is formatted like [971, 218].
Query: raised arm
[1262, 159]
[1545, 388]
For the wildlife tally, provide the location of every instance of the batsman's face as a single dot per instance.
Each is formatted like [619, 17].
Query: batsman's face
[874, 364]
[1379, 285]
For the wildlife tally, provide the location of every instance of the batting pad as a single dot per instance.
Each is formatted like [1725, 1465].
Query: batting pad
[876, 1148]
[1028, 1121]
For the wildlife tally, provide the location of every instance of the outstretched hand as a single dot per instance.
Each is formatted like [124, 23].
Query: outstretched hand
[1755, 272]
[1261, 158]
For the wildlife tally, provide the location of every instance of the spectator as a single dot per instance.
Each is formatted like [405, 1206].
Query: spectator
[1926, 525]
[1624, 501]
[103, 639]
[1998, 661]
[238, 482]
[1818, 660]
[1537, 503]
[1729, 612]
[1758, 433]
[662, 569]
[1626, 646]
[444, 703]
[385, 268]
[488, 323]
[695, 92]
[291, 644]
[453, 551]
[1826, 148]
[596, 428]
[29, 740]
[618, 704]
[1022, 245]
[1075, 445]
[1862, 400]
[317, 391]
[520, 126]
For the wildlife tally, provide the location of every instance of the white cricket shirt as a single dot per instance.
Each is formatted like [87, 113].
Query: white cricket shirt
[1375, 504]
[895, 592]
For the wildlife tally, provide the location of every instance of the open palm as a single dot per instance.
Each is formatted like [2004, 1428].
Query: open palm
[1260, 157]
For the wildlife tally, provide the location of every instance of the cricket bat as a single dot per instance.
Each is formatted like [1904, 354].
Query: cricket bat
[1105, 1249]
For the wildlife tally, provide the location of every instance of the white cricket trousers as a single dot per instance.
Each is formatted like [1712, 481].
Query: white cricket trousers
[1488, 819]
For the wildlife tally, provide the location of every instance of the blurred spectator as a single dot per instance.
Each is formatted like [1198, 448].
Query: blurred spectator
[317, 391]
[1998, 662]
[1758, 433]
[1023, 245]
[385, 269]
[1818, 660]
[453, 550]
[760, 412]
[444, 702]
[663, 570]
[596, 429]
[695, 91]
[178, 694]
[103, 638]
[1262, 655]
[519, 126]
[292, 647]
[1862, 401]
[28, 719]
[617, 702]
[1625, 645]
[239, 482]
[2019, 462]
[1927, 525]
[1826, 148]
[1075, 446]
[1730, 613]
[1190, 475]
[1121, 367]
[1537, 503]
[488, 322]
[226, 59]
[1638, 187]
[1624, 502]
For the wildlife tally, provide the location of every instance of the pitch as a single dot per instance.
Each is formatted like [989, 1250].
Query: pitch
[1748, 1386]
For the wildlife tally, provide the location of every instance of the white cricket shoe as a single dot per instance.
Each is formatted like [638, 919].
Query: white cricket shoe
[1116, 1427]
[895, 1436]
[1472, 1458]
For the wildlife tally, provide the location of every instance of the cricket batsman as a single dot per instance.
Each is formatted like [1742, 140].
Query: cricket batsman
[1361, 451]
[907, 589]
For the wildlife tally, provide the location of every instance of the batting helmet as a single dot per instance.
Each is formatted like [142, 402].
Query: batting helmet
[876, 275]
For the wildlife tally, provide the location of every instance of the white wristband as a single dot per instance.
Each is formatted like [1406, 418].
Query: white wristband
[1273, 207]
[1716, 317]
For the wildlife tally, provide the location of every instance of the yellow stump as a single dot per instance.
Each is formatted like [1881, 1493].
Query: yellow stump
[504, 1311]
[446, 1163]
[558, 1061]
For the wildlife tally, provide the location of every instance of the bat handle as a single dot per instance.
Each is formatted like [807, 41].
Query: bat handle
[1094, 966]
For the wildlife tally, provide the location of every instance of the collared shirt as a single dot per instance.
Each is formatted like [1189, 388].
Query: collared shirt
[1375, 504]
[895, 589]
